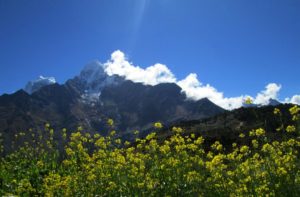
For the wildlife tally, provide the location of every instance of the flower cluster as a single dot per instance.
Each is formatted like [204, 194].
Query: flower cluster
[179, 165]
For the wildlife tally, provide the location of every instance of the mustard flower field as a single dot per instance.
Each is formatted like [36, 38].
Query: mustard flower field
[95, 165]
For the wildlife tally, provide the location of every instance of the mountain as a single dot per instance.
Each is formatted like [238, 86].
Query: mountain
[137, 106]
[35, 85]
[90, 98]
[271, 102]
[92, 80]
[226, 127]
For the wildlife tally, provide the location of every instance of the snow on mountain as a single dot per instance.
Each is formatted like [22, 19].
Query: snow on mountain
[35, 85]
[92, 72]
[92, 80]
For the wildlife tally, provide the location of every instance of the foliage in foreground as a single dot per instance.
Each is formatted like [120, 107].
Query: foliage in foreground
[93, 165]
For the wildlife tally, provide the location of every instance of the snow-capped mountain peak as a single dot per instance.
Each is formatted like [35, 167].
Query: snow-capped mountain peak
[91, 81]
[37, 84]
[92, 72]
[94, 77]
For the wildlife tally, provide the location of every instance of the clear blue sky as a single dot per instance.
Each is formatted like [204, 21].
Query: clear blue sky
[236, 46]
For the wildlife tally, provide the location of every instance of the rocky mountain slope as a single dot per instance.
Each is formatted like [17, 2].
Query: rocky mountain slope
[226, 127]
[91, 98]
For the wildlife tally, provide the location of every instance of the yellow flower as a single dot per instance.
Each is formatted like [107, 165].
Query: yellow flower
[291, 142]
[244, 149]
[110, 122]
[67, 162]
[112, 133]
[281, 171]
[118, 141]
[91, 177]
[217, 160]
[150, 136]
[242, 135]
[192, 135]
[255, 143]
[177, 130]
[252, 133]
[277, 111]
[290, 129]
[280, 128]
[101, 143]
[260, 132]
[199, 140]
[51, 132]
[158, 125]
[96, 135]
[192, 147]
[230, 173]
[192, 176]
[267, 148]
[40, 164]
[294, 110]
[140, 185]
[164, 149]
[24, 187]
[80, 147]
[248, 101]
[217, 146]
[111, 185]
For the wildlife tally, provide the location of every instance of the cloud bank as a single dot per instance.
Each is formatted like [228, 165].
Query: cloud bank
[191, 85]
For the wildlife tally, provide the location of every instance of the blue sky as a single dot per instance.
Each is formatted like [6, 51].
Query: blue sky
[238, 47]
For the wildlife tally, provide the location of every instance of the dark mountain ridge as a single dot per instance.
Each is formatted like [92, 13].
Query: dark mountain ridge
[138, 105]
[90, 103]
[226, 127]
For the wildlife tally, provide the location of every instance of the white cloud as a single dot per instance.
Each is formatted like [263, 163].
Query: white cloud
[195, 90]
[191, 86]
[295, 100]
[152, 75]
[271, 92]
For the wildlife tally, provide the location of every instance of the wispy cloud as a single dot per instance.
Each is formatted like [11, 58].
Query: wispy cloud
[191, 85]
